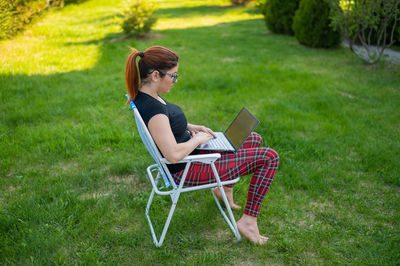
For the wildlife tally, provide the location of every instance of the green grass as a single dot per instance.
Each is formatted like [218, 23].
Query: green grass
[72, 167]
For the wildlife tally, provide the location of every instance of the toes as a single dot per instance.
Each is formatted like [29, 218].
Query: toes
[262, 240]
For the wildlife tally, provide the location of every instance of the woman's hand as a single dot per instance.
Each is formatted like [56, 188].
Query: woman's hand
[161, 132]
[202, 137]
[197, 129]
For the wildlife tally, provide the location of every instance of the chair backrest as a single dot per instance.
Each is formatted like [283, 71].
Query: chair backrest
[149, 142]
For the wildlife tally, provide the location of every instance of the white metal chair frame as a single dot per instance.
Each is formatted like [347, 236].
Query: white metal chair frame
[162, 171]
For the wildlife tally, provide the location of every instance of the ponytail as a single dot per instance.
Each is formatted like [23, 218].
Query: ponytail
[132, 75]
[153, 58]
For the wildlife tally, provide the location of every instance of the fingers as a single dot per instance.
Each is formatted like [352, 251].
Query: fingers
[197, 129]
[203, 137]
[209, 131]
[208, 135]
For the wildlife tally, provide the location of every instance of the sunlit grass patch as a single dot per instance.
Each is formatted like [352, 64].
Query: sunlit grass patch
[200, 18]
[73, 187]
[59, 42]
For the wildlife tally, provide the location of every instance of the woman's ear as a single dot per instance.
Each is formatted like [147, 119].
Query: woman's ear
[155, 76]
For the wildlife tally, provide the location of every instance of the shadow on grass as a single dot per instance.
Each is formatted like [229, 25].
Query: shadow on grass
[78, 97]
[198, 11]
[82, 116]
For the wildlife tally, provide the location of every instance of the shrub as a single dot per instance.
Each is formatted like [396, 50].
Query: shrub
[16, 14]
[371, 23]
[73, 1]
[5, 19]
[261, 6]
[279, 15]
[398, 35]
[397, 31]
[311, 24]
[390, 24]
[138, 18]
[384, 21]
[240, 2]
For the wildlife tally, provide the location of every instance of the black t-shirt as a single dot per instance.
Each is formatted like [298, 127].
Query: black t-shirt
[149, 107]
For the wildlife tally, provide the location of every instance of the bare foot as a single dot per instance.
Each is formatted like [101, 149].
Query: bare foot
[247, 226]
[229, 196]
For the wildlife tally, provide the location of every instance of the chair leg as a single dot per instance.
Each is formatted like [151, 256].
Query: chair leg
[157, 242]
[174, 197]
[231, 219]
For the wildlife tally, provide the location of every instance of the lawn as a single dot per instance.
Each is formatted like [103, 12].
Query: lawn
[72, 167]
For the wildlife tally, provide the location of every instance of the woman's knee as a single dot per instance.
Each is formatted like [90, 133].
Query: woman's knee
[273, 154]
[256, 138]
[270, 155]
[273, 158]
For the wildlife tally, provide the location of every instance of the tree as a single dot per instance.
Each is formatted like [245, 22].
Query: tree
[372, 23]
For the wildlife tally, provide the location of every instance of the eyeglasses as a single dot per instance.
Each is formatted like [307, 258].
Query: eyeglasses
[174, 76]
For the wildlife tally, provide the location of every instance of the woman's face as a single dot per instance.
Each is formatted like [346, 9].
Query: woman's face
[167, 81]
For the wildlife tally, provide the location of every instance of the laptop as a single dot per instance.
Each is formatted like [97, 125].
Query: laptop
[234, 136]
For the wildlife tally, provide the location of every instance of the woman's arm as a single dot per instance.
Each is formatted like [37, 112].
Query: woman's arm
[196, 129]
[161, 132]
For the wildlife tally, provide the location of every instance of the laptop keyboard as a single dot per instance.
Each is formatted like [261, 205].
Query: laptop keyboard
[217, 143]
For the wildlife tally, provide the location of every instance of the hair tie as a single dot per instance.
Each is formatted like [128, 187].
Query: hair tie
[141, 54]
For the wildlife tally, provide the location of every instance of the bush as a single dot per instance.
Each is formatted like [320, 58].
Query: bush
[138, 17]
[279, 15]
[370, 23]
[16, 14]
[378, 26]
[398, 35]
[311, 24]
[240, 2]
[6, 16]
[73, 1]
[397, 31]
[261, 6]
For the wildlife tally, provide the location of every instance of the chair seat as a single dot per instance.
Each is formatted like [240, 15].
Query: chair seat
[154, 167]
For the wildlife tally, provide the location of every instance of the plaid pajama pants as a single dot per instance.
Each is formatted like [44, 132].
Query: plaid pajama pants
[249, 158]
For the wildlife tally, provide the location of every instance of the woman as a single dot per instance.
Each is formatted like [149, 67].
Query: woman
[155, 73]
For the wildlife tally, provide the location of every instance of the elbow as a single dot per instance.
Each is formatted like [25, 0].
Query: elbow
[175, 155]
[173, 159]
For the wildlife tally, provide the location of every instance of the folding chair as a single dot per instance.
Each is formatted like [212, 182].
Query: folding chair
[161, 170]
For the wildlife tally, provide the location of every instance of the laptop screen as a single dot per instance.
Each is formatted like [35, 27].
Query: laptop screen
[241, 127]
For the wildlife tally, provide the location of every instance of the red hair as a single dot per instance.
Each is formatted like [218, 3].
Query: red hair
[153, 58]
